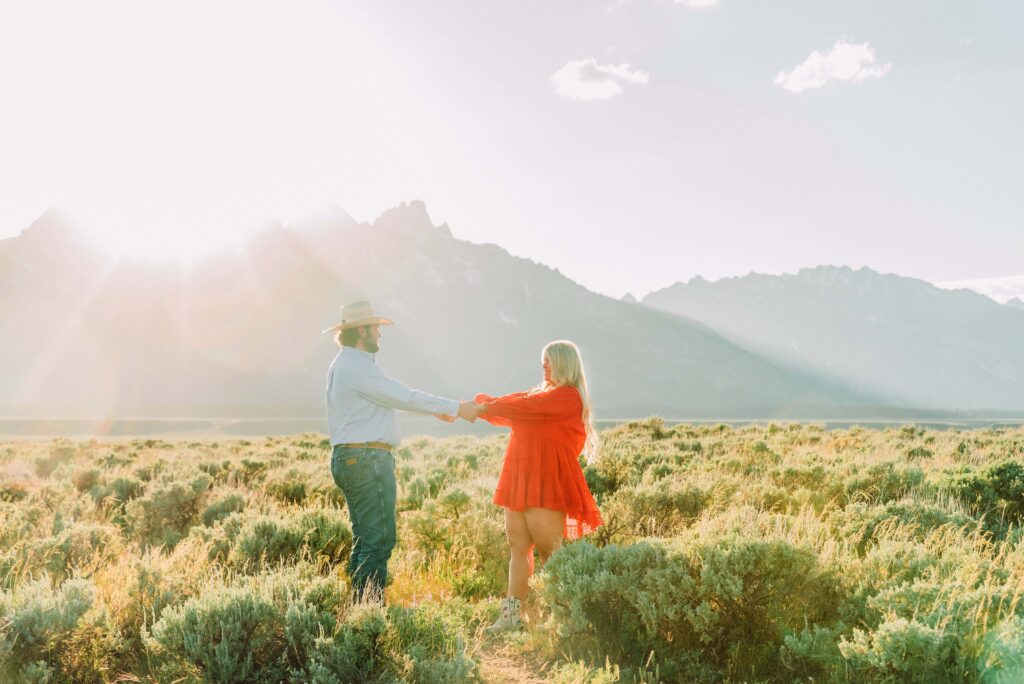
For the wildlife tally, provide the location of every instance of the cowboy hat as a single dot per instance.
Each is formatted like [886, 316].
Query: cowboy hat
[356, 314]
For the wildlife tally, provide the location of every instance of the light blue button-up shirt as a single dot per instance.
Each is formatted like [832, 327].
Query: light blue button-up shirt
[361, 400]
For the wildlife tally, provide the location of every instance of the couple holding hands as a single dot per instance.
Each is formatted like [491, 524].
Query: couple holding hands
[541, 486]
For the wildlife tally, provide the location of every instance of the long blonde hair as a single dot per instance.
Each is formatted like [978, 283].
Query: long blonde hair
[566, 365]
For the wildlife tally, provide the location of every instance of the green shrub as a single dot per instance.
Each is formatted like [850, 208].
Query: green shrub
[599, 482]
[918, 453]
[481, 548]
[803, 477]
[220, 538]
[455, 502]
[1007, 480]
[118, 492]
[693, 446]
[423, 487]
[812, 653]
[774, 544]
[881, 482]
[151, 589]
[861, 523]
[762, 448]
[61, 452]
[150, 471]
[326, 493]
[89, 653]
[13, 491]
[251, 472]
[79, 546]
[222, 508]
[578, 672]
[354, 653]
[910, 432]
[263, 540]
[996, 494]
[218, 470]
[657, 510]
[39, 672]
[38, 622]
[85, 479]
[18, 522]
[901, 650]
[164, 515]
[972, 489]
[290, 487]
[430, 641]
[272, 628]
[1003, 657]
[706, 610]
[231, 634]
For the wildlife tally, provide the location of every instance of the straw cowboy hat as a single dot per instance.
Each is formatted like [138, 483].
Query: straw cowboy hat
[356, 314]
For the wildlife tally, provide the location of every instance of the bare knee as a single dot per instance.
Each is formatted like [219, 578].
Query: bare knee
[546, 527]
[544, 550]
[517, 532]
[520, 547]
[520, 543]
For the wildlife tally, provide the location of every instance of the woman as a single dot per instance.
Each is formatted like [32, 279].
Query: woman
[541, 485]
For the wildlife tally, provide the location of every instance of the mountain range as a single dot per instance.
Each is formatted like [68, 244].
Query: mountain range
[238, 333]
[904, 339]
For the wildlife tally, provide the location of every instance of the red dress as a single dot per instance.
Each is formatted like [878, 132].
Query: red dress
[542, 468]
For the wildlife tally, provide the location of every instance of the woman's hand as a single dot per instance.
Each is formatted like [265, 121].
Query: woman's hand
[445, 417]
[470, 410]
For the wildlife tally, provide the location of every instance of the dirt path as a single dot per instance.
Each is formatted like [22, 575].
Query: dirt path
[500, 664]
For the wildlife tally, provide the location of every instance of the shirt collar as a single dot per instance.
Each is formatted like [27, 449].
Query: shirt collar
[359, 354]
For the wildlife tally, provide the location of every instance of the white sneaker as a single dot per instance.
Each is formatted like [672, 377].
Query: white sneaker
[510, 618]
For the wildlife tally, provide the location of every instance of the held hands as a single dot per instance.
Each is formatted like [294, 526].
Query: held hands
[470, 410]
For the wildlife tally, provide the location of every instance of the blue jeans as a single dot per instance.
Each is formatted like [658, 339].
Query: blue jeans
[367, 478]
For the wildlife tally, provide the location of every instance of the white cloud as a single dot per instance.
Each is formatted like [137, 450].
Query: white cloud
[697, 4]
[585, 79]
[845, 62]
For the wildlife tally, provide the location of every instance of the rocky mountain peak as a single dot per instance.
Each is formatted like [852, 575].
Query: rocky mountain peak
[52, 225]
[232, 331]
[406, 216]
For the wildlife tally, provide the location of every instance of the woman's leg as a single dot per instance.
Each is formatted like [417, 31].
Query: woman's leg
[545, 527]
[520, 562]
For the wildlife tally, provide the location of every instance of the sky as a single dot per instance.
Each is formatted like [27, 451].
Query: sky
[628, 143]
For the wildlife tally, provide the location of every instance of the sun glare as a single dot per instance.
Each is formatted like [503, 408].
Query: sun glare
[179, 146]
[165, 231]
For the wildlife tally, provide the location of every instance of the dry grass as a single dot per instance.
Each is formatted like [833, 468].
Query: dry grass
[864, 501]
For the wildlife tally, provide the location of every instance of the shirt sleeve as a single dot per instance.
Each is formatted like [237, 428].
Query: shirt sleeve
[542, 407]
[377, 386]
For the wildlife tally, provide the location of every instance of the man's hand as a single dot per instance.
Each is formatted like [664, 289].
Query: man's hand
[470, 410]
[445, 417]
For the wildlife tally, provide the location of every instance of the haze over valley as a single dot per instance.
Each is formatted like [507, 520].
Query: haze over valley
[236, 334]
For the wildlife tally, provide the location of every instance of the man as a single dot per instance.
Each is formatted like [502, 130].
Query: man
[361, 403]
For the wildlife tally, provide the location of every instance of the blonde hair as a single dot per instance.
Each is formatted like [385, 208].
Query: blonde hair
[566, 365]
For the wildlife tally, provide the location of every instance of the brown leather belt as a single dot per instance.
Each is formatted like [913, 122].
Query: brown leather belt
[367, 445]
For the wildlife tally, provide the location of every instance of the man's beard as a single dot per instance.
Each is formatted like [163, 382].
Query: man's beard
[371, 346]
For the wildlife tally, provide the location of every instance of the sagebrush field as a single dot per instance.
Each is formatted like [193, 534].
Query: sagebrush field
[772, 553]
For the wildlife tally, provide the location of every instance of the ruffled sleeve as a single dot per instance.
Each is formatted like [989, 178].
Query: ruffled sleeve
[487, 399]
[523, 407]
